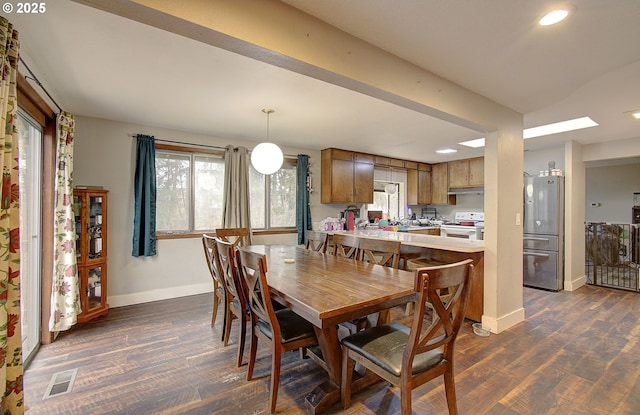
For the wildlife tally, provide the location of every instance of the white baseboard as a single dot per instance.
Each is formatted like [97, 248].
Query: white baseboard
[498, 325]
[575, 284]
[156, 295]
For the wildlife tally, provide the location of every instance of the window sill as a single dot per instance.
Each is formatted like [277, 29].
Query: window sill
[186, 235]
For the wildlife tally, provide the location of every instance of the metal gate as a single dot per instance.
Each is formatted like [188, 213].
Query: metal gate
[612, 255]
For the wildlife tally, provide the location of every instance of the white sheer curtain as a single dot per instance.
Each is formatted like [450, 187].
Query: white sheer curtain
[236, 211]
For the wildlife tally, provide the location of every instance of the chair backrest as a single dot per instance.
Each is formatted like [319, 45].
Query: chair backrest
[345, 245]
[378, 251]
[228, 265]
[316, 241]
[253, 271]
[211, 255]
[448, 314]
[237, 236]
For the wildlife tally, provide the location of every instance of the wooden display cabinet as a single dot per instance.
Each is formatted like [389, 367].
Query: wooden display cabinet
[90, 210]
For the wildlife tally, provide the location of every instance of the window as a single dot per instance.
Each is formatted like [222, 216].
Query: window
[278, 192]
[189, 191]
[389, 204]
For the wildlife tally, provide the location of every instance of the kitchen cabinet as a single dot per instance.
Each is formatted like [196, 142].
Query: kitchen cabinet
[419, 185]
[440, 185]
[347, 177]
[90, 211]
[426, 231]
[466, 173]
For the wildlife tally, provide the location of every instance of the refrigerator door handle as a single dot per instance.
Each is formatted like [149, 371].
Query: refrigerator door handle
[533, 238]
[536, 254]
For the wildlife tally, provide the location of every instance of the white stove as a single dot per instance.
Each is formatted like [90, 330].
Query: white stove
[467, 225]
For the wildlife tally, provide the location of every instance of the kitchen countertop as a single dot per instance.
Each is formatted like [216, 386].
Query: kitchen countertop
[421, 240]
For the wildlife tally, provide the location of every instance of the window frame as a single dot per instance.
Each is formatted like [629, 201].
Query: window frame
[195, 149]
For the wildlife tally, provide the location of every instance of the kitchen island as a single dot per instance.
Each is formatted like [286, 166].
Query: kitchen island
[439, 250]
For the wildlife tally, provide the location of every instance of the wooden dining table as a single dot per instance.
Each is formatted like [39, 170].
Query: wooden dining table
[327, 290]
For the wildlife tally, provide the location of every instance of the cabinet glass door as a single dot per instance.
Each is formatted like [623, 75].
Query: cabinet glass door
[94, 232]
[94, 288]
[77, 212]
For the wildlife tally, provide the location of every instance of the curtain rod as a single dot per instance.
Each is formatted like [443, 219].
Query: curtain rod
[201, 145]
[37, 81]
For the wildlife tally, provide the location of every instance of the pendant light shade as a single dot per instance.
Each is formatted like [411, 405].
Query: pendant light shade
[390, 188]
[267, 157]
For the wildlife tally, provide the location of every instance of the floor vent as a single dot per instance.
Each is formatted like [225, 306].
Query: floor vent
[61, 383]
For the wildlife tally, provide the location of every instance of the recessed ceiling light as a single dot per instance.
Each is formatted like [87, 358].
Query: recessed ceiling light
[447, 151]
[559, 127]
[635, 114]
[477, 143]
[553, 17]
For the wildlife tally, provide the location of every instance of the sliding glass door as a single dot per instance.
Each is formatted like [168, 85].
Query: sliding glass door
[30, 145]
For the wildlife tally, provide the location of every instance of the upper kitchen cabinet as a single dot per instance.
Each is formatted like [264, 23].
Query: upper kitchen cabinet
[419, 185]
[466, 173]
[347, 177]
[440, 185]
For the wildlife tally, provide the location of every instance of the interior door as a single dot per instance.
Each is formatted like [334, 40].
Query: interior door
[30, 165]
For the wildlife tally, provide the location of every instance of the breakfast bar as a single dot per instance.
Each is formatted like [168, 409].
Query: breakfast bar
[438, 249]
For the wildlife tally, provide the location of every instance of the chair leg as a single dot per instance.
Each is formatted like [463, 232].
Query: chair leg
[405, 399]
[347, 375]
[214, 312]
[227, 328]
[275, 376]
[252, 354]
[450, 390]
[241, 340]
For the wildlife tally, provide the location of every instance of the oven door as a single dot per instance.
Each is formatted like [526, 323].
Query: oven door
[463, 232]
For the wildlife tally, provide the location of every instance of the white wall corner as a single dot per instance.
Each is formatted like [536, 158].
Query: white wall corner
[498, 325]
[572, 285]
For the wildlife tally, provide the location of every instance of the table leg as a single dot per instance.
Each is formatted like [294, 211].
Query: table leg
[327, 394]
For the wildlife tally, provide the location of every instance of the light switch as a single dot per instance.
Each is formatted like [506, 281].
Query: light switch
[518, 219]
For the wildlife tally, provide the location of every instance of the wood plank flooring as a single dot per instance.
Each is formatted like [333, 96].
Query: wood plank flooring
[577, 353]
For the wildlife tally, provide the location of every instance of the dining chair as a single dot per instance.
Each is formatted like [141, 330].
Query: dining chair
[210, 254]
[345, 245]
[236, 294]
[283, 330]
[379, 251]
[237, 236]
[411, 356]
[317, 241]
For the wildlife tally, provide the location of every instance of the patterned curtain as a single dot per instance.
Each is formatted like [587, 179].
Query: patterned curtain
[11, 370]
[236, 207]
[65, 290]
[144, 209]
[303, 208]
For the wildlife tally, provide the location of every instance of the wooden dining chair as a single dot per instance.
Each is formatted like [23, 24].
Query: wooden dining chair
[345, 245]
[219, 295]
[237, 236]
[411, 356]
[283, 330]
[316, 241]
[236, 298]
[379, 251]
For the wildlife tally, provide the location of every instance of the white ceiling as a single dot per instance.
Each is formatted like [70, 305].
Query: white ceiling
[101, 65]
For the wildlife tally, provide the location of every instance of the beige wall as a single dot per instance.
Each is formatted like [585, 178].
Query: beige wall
[104, 155]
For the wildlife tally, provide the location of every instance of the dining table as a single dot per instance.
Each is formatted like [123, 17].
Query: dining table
[327, 290]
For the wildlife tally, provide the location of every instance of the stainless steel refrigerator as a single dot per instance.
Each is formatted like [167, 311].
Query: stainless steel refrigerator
[544, 232]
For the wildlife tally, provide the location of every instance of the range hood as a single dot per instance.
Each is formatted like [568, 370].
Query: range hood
[466, 191]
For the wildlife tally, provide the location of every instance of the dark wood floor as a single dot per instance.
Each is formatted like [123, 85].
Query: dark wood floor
[576, 354]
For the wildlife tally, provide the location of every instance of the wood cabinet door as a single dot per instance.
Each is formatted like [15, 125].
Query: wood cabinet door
[424, 187]
[362, 183]
[440, 185]
[342, 181]
[412, 187]
[476, 171]
[458, 173]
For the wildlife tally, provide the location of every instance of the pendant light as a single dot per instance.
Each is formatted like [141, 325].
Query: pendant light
[267, 157]
[390, 188]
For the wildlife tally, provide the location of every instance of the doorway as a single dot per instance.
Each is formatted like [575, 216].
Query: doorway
[30, 173]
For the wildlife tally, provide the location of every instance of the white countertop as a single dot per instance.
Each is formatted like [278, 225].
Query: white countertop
[421, 240]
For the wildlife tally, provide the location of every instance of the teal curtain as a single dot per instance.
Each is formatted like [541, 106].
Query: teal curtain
[303, 208]
[144, 215]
